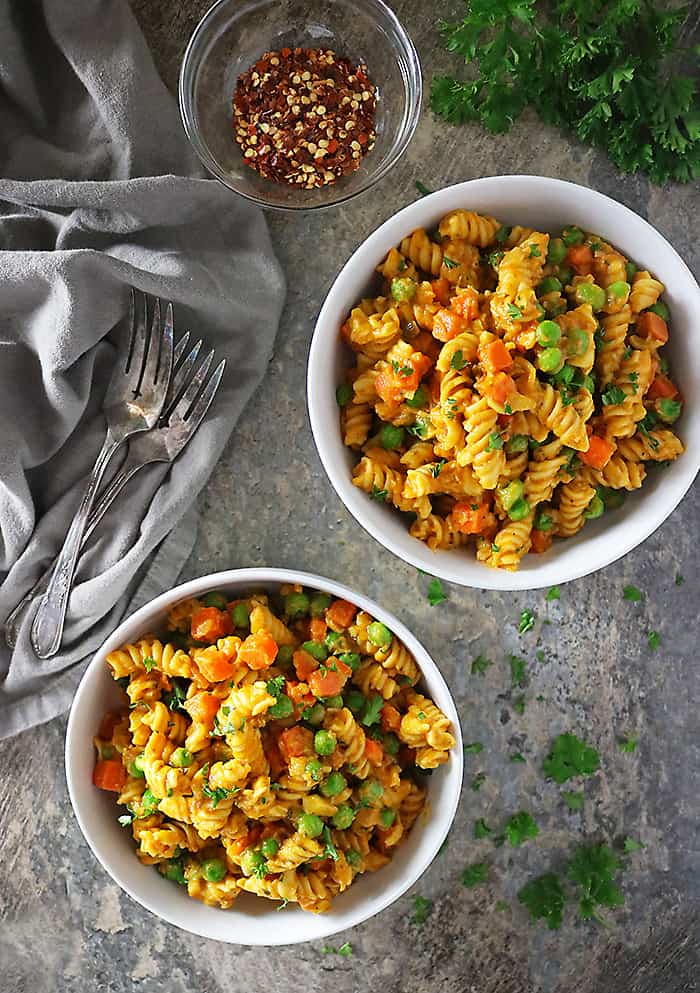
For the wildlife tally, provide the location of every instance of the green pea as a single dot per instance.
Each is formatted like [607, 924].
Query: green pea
[543, 521]
[270, 847]
[319, 604]
[311, 825]
[213, 870]
[518, 443]
[661, 309]
[519, 510]
[296, 605]
[181, 758]
[313, 768]
[419, 399]
[576, 342]
[590, 293]
[315, 714]
[215, 599]
[335, 784]
[371, 791]
[390, 436]
[379, 634]
[613, 499]
[343, 817]
[619, 290]
[284, 658]
[556, 252]
[139, 762]
[630, 269]
[572, 236]
[548, 333]
[391, 743]
[549, 359]
[134, 770]
[354, 700]
[173, 871]
[316, 649]
[324, 742]
[351, 659]
[403, 288]
[550, 284]
[595, 508]
[149, 802]
[387, 816]
[281, 708]
[565, 274]
[251, 861]
[511, 493]
[240, 615]
[343, 395]
[668, 410]
[333, 702]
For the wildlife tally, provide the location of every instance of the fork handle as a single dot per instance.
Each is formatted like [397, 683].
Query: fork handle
[47, 629]
[14, 621]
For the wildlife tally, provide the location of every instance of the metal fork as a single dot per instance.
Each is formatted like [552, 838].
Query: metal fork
[134, 400]
[185, 407]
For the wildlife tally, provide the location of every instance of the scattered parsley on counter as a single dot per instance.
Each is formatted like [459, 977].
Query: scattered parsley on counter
[569, 757]
[517, 757]
[539, 655]
[517, 670]
[544, 898]
[627, 744]
[473, 748]
[553, 593]
[481, 829]
[501, 906]
[593, 868]
[631, 845]
[654, 640]
[480, 665]
[436, 594]
[475, 874]
[679, 580]
[574, 801]
[478, 781]
[527, 621]
[422, 908]
[519, 705]
[632, 593]
[520, 827]
[422, 189]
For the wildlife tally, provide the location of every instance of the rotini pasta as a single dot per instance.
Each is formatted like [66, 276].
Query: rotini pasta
[274, 746]
[500, 372]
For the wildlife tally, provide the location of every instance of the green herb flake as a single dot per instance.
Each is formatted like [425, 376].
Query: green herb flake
[517, 757]
[553, 593]
[628, 744]
[527, 621]
[519, 705]
[422, 188]
[518, 669]
[473, 748]
[478, 781]
[495, 442]
[613, 396]
[632, 593]
[422, 908]
[458, 361]
[436, 593]
[520, 827]
[631, 845]
[539, 655]
[593, 868]
[378, 494]
[449, 263]
[481, 829]
[544, 898]
[679, 580]
[570, 757]
[148, 663]
[479, 665]
[653, 640]
[574, 801]
[514, 312]
[475, 874]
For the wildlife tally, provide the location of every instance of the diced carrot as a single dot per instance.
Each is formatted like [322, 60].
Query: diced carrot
[441, 289]
[391, 718]
[661, 386]
[580, 258]
[501, 387]
[210, 623]
[202, 707]
[258, 651]
[107, 726]
[540, 541]
[447, 325]
[599, 452]
[215, 666]
[318, 629]
[299, 692]
[109, 774]
[329, 681]
[304, 663]
[471, 517]
[466, 304]
[496, 356]
[340, 614]
[650, 325]
[387, 387]
[296, 741]
[373, 751]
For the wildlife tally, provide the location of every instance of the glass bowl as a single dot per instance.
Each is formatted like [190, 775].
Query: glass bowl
[234, 34]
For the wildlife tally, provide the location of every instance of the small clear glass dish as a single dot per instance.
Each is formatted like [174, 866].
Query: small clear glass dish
[234, 34]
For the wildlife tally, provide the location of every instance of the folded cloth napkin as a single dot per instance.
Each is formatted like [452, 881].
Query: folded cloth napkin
[80, 99]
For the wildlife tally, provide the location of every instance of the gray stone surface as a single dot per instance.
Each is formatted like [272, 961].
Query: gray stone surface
[66, 926]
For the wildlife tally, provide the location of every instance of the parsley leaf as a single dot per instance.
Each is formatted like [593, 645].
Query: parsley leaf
[436, 594]
[513, 311]
[479, 665]
[372, 710]
[517, 757]
[627, 744]
[631, 845]
[535, 253]
[654, 640]
[148, 663]
[632, 593]
[613, 395]
[478, 781]
[378, 494]
[544, 898]
[436, 469]
[527, 621]
[553, 593]
[518, 669]
[569, 757]
[345, 950]
[574, 801]
[593, 868]
[449, 263]
[520, 827]
[481, 829]
[679, 580]
[330, 851]
[275, 686]
[422, 908]
[519, 705]
[458, 361]
[495, 442]
[475, 874]
[473, 748]
[422, 188]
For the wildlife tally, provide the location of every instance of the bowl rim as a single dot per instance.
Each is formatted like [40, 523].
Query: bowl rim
[75, 741]
[412, 106]
[380, 240]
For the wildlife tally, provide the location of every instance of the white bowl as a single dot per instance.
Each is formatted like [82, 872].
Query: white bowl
[547, 204]
[252, 920]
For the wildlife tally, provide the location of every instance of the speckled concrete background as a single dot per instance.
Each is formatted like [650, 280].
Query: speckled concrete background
[66, 926]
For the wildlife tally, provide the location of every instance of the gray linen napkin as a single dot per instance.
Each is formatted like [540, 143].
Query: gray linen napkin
[80, 99]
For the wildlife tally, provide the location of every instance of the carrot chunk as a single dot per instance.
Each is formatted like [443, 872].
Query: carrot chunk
[258, 651]
[496, 356]
[661, 386]
[580, 258]
[391, 718]
[109, 774]
[340, 614]
[296, 741]
[541, 541]
[373, 751]
[599, 452]
[210, 623]
[471, 518]
[650, 325]
[447, 325]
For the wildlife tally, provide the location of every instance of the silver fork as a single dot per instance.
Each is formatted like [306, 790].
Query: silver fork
[183, 364]
[134, 400]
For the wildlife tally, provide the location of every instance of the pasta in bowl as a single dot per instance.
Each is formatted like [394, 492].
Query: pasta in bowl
[503, 380]
[272, 739]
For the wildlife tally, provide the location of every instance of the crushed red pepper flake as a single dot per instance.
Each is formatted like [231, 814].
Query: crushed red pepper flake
[303, 116]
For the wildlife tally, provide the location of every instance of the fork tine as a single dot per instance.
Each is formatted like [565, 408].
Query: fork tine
[150, 366]
[132, 328]
[128, 383]
[207, 395]
[193, 389]
[179, 381]
[165, 363]
[180, 349]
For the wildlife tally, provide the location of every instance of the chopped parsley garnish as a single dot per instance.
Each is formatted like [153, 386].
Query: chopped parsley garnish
[535, 253]
[593, 868]
[518, 669]
[517, 757]
[436, 469]
[654, 640]
[627, 744]
[274, 686]
[544, 898]
[175, 699]
[422, 908]
[436, 594]
[458, 361]
[372, 711]
[613, 395]
[527, 621]
[539, 655]
[519, 705]
[495, 442]
[402, 370]
[631, 845]
[473, 748]
[481, 829]
[479, 665]
[378, 494]
[632, 593]
[520, 827]
[148, 663]
[330, 851]
[679, 580]
[478, 781]
[345, 950]
[553, 593]
[514, 311]
[501, 905]
[574, 801]
[422, 188]
[569, 757]
[449, 263]
[475, 874]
